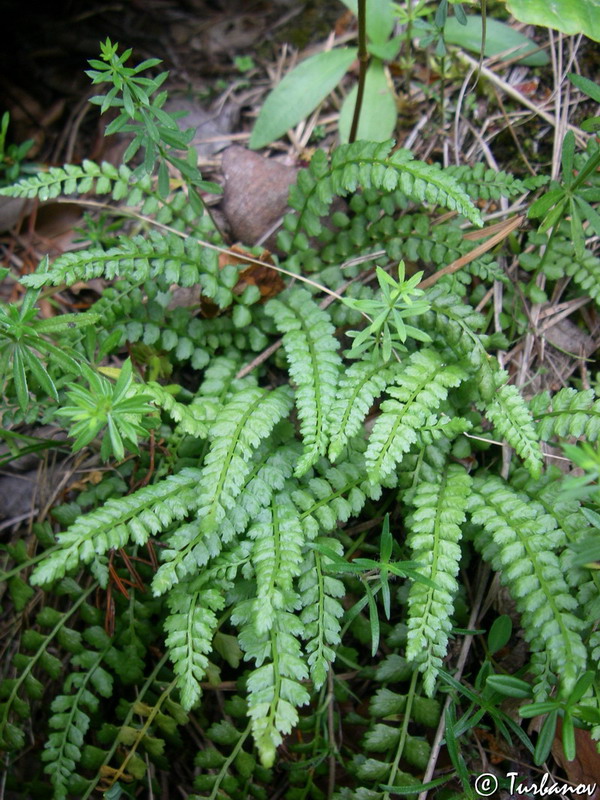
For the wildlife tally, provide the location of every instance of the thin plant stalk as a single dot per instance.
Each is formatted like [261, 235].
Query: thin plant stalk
[363, 60]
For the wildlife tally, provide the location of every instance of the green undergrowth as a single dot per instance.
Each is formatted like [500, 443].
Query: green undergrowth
[264, 581]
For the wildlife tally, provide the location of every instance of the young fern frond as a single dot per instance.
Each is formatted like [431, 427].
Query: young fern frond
[369, 165]
[513, 421]
[424, 381]
[133, 518]
[314, 362]
[322, 609]
[520, 541]
[435, 533]
[568, 413]
[358, 388]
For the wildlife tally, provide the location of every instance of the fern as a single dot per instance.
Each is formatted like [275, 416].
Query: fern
[133, 518]
[367, 164]
[190, 627]
[70, 719]
[490, 184]
[320, 595]
[434, 538]
[457, 326]
[248, 418]
[424, 382]
[512, 419]
[519, 539]
[568, 413]
[362, 383]
[314, 364]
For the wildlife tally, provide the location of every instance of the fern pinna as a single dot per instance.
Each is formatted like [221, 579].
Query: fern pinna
[233, 535]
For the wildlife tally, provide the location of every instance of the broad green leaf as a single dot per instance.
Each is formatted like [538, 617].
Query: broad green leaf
[378, 114]
[498, 37]
[569, 16]
[380, 18]
[299, 93]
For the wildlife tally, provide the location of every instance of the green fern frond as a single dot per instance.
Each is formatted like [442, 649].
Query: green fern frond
[362, 383]
[520, 540]
[192, 419]
[485, 183]
[435, 533]
[190, 628]
[71, 713]
[139, 258]
[276, 556]
[274, 688]
[243, 423]
[133, 518]
[368, 165]
[314, 362]
[16, 692]
[333, 495]
[247, 419]
[512, 419]
[457, 326]
[78, 179]
[321, 609]
[569, 515]
[566, 414]
[424, 381]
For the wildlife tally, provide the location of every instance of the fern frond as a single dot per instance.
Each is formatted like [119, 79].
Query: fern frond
[274, 688]
[512, 419]
[247, 419]
[520, 541]
[435, 533]
[362, 383]
[457, 326]
[485, 183]
[368, 165]
[70, 719]
[311, 350]
[424, 381]
[138, 259]
[133, 518]
[243, 422]
[276, 556]
[566, 414]
[78, 179]
[192, 419]
[190, 628]
[12, 690]
[272, 465]
[568, 513]
[321, 609]
[334, 495]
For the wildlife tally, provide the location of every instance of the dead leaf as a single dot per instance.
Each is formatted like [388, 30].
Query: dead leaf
[255, 193]
[585, 767]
